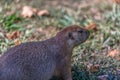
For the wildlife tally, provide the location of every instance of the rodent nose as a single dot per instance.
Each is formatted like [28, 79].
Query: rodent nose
[84, 31]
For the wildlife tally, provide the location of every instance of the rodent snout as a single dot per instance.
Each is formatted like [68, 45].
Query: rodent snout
[84, 31]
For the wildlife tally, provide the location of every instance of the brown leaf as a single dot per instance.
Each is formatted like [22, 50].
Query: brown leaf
[17, 1]
[103, 77]
[98, 16]
[43, 12]
[116, 1]
[93, 68]
[92, 26]
[113, 53]
[28, 11]
[17, 42]
[40, 30]
[13, 35]
[96, 13]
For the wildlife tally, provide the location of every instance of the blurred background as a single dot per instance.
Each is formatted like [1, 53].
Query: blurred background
[35, 20]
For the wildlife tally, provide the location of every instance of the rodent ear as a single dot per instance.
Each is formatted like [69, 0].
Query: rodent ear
[70, 35]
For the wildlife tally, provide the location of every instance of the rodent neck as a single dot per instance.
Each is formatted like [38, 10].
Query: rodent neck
[63, 43]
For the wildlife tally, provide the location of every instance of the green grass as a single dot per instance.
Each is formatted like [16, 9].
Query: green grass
[99, 43]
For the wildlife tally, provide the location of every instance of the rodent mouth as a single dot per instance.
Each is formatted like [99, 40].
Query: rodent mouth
[86, 36]
[88, 33]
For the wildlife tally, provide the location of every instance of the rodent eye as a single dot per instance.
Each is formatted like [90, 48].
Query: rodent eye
[80, 31]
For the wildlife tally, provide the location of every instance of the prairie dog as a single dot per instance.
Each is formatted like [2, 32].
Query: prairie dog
[43, 59]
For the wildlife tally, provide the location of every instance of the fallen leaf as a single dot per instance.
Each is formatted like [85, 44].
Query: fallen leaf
[98, 16]
[28, 11]
[93, 68]
[96, 13]
[9, 12]
[43, 12]
[29, 26]
[92, 26]
[116, 1]
[17, 42]
[40, 30]
[103, 77]
[13, 35]
[113, 53]
[17, 1]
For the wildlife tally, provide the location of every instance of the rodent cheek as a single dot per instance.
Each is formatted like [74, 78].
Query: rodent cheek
[71, 42]
[83, 37]
[78, 39]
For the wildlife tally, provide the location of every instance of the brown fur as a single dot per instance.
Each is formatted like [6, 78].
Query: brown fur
[42, 60]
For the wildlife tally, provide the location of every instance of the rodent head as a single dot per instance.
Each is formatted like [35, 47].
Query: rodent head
[74, 35]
